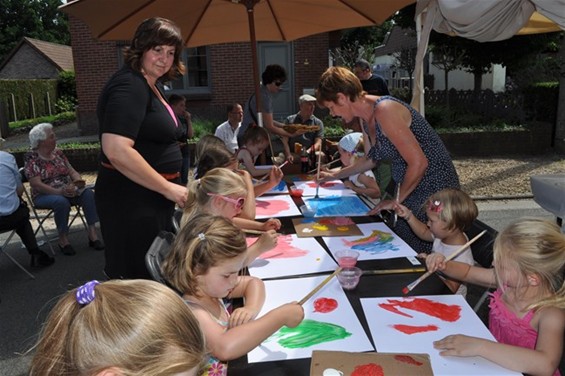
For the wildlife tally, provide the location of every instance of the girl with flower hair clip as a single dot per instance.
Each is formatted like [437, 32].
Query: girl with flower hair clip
[120, 327]
[450, 213]
[350, 148]
[203, 266]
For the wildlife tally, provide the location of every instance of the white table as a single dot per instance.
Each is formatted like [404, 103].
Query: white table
[549, 193]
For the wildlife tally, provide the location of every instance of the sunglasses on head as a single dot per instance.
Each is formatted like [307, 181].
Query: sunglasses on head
[278, 83]
[237, 202]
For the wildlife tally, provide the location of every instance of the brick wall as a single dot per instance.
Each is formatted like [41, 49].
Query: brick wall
[27, 63]
[230, 68]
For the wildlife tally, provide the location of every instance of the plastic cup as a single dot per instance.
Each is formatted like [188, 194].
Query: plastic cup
[295, 192]
[349, 277]
[347, 258]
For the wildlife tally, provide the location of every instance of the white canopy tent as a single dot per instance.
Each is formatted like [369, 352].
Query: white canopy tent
[484, 21]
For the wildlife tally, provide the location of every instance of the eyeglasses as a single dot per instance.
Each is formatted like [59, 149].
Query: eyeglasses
[278, 83]
[237, 112]
[238, 203]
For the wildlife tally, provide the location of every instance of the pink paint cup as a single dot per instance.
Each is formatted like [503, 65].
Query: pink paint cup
[347, 258]
[349, 278]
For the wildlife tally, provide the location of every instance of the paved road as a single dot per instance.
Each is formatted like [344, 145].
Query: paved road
[25, 302]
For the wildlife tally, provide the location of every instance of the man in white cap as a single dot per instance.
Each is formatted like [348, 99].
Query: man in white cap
[310, 141]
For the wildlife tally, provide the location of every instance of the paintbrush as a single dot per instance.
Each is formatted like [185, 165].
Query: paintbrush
[394, 271]
[266, 177]
[397, 200]
[326, 165]
[411, 286]
[317, 288]
[255, 232]
[318, 174]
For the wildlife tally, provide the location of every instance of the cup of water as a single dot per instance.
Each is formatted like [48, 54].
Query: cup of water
[347, 258]
[349, 277]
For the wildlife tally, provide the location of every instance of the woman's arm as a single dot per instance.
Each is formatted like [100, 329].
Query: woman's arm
[39, 186]
[361, 165]
[121, 154]
[395, 121]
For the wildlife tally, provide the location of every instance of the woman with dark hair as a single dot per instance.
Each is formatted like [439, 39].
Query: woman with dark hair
[272, 79]
[136, 189]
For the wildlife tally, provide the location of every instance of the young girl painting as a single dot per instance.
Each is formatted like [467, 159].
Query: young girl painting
[203, 265]
[450, 213]
[350, 147]
[223, 192]
[527, 311]
[254, 142]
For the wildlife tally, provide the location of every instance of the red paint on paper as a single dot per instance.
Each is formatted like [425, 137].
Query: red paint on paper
[327, 184]
[442, 311]
[369, 369]
[338, 221]
[325, 305]
[271, 207]
[413, 329]
[284, 249]
[408, 360]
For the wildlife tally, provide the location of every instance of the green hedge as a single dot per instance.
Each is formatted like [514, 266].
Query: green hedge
[540, 101]
[22, 90]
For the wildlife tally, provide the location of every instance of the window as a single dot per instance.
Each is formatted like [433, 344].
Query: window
[196, 80]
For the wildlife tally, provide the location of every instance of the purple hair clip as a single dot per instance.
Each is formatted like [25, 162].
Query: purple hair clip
[85, 293]
[436, 206]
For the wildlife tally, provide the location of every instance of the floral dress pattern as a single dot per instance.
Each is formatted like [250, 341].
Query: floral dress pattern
[55, 173]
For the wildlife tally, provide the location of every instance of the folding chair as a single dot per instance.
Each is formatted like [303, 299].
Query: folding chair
[482, 250]
[157, 252]
[3, 251]
[40, 220]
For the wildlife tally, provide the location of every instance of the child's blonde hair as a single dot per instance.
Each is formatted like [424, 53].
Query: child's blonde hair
[140, 327]
[536, 246]
[219, 180]
[202, 243]
[454, 207]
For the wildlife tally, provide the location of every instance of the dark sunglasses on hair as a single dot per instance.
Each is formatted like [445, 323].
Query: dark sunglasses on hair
[278, 83]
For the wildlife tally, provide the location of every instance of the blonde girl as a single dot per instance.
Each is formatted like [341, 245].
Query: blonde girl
[203, 265]
[450, 213]
[527, 311]
[223, 192]
[350, 148]
[120, 327]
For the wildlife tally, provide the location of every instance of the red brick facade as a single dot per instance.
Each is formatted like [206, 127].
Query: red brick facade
[230, 72]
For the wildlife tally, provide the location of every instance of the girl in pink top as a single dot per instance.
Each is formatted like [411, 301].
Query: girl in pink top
[527, 315]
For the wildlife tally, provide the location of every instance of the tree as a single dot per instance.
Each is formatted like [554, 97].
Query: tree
[360, 43]
[447, 59]
[38, 19]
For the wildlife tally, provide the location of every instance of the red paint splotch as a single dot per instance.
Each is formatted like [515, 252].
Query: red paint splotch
[442, 311]
[338, 221]
[413, 329]
[284, 249]
[327, 184]
[408, 360]
[369, 369]
[271, 207]
[325, 305]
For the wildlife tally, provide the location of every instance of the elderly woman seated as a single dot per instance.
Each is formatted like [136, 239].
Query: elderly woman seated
[57, 185]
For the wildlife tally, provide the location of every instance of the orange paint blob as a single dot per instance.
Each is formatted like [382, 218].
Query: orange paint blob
[369, 369]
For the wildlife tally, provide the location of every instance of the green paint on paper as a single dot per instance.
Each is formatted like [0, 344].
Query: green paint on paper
[309, 333]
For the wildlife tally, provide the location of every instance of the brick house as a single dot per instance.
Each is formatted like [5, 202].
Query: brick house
[36, 59]
[217, 75]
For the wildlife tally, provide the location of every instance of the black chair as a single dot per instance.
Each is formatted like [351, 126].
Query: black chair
[157, 252]
[177, 216]
[482, 250]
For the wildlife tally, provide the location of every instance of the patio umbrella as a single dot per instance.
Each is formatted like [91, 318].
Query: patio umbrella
[205, 22]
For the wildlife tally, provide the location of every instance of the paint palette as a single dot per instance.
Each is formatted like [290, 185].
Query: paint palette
[358, 364]
[326, 226]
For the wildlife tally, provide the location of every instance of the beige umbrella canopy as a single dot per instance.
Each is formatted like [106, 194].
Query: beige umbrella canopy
[205, 22]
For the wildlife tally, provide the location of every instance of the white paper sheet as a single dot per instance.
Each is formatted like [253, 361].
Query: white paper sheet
[389, 339]
[340, 321]
[329, 188]
[275, 206]
[378, 242]
[292, 256]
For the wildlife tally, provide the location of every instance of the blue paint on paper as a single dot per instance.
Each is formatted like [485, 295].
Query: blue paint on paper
[337, 206]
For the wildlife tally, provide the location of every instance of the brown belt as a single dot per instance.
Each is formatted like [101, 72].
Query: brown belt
[170, 176]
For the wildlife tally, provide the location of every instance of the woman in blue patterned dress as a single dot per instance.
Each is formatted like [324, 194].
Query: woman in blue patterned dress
[393, 131]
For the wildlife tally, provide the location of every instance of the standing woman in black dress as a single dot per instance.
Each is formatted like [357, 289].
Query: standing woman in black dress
[136, 189]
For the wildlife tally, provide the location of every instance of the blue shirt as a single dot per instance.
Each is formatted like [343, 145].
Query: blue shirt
[10, 180]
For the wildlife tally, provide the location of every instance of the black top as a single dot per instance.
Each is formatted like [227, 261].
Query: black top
[128, 107]
[375, 85]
